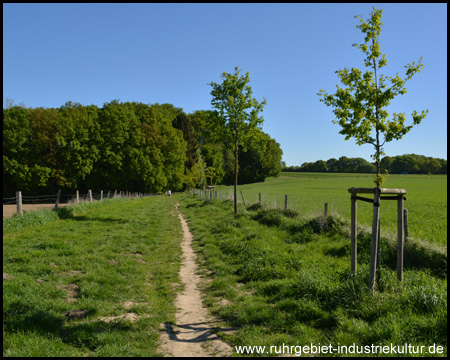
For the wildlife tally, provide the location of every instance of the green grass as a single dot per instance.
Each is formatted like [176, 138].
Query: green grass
[284, 278]
[307, 192]
[116, 257]
[280, 277]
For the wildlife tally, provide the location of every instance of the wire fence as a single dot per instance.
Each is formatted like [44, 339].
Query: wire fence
[311, 206]
[68, 198]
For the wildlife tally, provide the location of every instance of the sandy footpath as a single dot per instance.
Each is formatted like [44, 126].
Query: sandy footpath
[193, 334]
[10, 210]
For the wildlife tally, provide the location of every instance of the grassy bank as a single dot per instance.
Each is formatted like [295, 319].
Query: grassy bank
[307, 192]
[91, 280]
[284, 278]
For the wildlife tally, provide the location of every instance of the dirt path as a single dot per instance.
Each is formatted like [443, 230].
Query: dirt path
[10, 210]
[193, 334]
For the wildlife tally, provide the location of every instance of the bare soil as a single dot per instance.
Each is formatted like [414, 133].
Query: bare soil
[194, 334]
[10, 210]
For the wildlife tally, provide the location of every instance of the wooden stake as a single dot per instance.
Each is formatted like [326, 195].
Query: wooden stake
[405, 221]
[373, 248]
[19, 202]
[400, 238]
[354, 244]
[57, 198]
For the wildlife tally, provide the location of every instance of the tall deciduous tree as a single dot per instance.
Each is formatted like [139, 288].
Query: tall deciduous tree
[360, 106]
[183, 123]
[239, 113]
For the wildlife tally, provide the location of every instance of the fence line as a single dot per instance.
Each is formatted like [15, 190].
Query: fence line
[280, 201]
[20, 199]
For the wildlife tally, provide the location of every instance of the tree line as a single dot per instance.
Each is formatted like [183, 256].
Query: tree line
[125, 145]
[401, 164]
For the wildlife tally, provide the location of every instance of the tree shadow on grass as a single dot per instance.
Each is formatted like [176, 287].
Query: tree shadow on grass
[103, 219]
[67, 213]
[80, 333]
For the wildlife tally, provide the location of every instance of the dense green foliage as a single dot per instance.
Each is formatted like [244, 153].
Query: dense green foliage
[360, 106]
[408, 163]
[125, 146]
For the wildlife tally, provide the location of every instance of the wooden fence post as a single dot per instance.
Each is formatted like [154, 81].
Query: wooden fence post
[243, 198]
[90, 195]
[400, 238]
[379, 248]
[325, 212]
[285, 202]
[101, 195]
[353, 246]
[405, 221]
[19, 202]
[259, 195]
[58, 196]
[77, 197]
[373, 248]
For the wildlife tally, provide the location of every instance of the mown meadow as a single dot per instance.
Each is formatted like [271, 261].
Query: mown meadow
[90, 280]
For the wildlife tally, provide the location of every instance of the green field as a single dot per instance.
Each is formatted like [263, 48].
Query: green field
[116, 262]
[279, 277]
[307, 193]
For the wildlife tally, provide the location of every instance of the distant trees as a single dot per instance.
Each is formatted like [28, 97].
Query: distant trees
[183, 123]
[260, 160]
[127, 146]
[414, 164]
[408, 163]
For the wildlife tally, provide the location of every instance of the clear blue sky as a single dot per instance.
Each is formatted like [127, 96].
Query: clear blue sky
[168, 53]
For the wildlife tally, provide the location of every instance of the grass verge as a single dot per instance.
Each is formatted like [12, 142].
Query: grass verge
[283, 279]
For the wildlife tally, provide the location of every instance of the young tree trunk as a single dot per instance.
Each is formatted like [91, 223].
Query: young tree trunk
[377, 161]
[377, 147]
[235, 173]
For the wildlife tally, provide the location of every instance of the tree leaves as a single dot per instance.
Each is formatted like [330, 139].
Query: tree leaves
[359, 106]
[129, 146]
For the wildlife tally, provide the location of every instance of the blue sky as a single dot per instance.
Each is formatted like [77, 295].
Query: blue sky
[168, 53]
